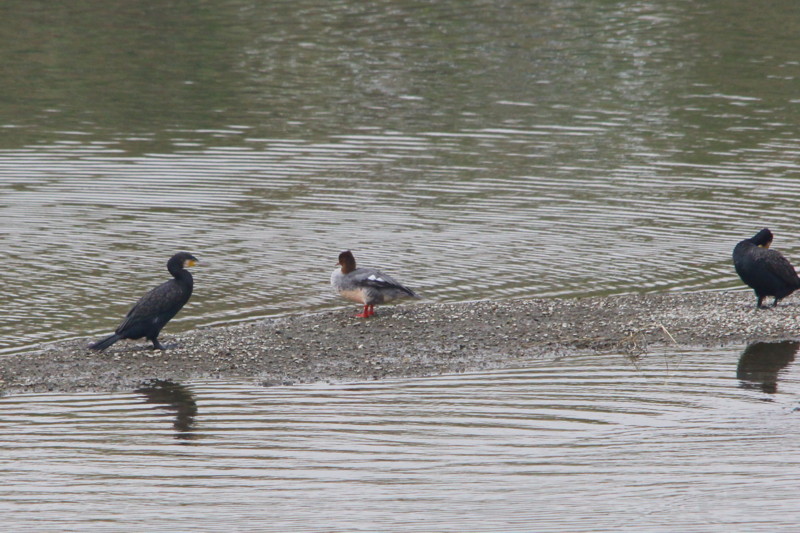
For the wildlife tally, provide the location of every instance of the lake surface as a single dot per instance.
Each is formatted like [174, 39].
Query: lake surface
[672, 441]
[474, 151]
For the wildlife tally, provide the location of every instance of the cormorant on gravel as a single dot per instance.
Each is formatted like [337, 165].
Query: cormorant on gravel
[157, 307]
[765, 270]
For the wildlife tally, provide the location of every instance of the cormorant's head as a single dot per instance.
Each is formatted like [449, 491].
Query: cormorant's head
[763, 238]
[180, 261]
[347, 262]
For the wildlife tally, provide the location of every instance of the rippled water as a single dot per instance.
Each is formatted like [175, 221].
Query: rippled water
[473, 150]
[700, 441]
[481, 151]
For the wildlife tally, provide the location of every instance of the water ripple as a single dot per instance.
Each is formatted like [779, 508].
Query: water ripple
[596, 441]
[458, 215]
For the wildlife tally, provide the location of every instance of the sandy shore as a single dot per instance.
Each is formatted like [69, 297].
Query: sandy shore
[410, 340]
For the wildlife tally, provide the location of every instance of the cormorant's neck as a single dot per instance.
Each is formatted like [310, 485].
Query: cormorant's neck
[182, 275]
[755, 242]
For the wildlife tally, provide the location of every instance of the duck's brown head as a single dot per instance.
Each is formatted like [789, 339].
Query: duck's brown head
[347, 262]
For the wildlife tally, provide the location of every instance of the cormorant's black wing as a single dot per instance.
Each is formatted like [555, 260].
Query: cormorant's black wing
[156, 307]
[774, 262]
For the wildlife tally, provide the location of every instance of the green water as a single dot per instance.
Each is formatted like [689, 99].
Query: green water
[472, 150]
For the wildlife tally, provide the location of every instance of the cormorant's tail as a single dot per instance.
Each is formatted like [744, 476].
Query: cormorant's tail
[105, 343]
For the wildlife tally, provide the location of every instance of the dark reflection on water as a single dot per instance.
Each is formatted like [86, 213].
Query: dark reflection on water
[762, 362]
[176, 398]
[556, 446]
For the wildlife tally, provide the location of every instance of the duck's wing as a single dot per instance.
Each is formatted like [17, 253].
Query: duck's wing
[370, 278]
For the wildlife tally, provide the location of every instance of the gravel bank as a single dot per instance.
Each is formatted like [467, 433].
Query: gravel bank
[409, 340]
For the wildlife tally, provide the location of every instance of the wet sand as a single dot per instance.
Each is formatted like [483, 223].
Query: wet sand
[409, 340]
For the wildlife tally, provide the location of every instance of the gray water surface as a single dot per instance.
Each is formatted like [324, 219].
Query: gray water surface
[474, 150]
[675, 440]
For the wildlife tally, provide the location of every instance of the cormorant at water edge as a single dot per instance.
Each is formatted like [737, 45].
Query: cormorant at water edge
[157, 307]
[766, 271]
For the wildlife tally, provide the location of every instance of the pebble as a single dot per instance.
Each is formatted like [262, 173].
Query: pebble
[409, 340]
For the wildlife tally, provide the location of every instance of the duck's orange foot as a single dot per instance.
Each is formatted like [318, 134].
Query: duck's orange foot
[368, 311]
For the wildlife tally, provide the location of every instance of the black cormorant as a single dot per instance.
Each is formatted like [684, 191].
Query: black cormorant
[157, 307]
[765, 270]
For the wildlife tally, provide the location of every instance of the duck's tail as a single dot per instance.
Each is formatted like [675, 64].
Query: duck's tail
[411, 294]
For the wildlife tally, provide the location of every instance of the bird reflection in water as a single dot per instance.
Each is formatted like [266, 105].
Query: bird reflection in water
[172, 397]
[761, 363]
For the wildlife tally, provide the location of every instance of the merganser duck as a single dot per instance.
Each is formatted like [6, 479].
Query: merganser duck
[766, 271]
[368, 286]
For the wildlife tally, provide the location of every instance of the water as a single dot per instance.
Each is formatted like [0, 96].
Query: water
[473, 151]
[689, 440]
